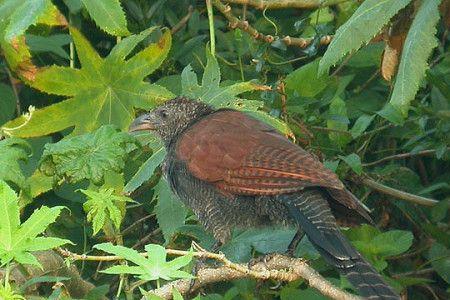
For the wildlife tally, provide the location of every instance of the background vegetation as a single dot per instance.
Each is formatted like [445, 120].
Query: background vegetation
[363, 85]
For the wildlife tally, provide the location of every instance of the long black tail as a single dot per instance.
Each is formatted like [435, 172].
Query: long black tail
[311, 211]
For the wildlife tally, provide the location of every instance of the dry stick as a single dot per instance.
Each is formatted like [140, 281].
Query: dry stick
[396, 193]
[280, 4]
[183, 21]
[234, 23]
[278, 267]
[400, 156]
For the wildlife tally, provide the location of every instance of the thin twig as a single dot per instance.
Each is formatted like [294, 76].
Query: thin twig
[234, 23]
[396, 193]
[14, 88]
[183, 21]
[132, 226]
[281, 4]
[400, 156]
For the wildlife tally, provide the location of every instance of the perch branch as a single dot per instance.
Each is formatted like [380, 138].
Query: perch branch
[396, 193]
[234, 23]
[277, 267]
[280, 4]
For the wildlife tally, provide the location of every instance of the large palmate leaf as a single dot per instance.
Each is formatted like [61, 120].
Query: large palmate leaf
[419, 43]
[12, 151]
[108, 15]
[154, 267]
[103, 91]
[88, 156]
[363, 25]
[18, 240]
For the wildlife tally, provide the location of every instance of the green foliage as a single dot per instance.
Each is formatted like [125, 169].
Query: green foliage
[108, 15]
[19, 15]
[103, 91]
[299, 80]
[155, 266]
[7, 293]
[8, 103]
[18, 239]
[218, 96]
[170, 212]
[13, 151]
[419, 43]
[101, 207]
[377, 246]
[439, 256]
[363, 25]
[88, 156]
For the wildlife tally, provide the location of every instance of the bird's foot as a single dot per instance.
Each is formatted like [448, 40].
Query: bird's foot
[263, 259]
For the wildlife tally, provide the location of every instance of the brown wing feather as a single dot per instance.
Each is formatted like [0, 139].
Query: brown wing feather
[241, 155]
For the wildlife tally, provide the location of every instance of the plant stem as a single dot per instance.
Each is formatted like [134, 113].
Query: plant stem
[212, 37]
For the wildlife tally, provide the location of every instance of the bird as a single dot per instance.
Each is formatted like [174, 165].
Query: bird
[235, 171]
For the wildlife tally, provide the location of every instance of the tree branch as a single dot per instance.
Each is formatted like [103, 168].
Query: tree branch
[234, 23]
[396, 193]
[278, 267]
[280, 4]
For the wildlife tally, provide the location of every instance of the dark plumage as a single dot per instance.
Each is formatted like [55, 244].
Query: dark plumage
[235, 171]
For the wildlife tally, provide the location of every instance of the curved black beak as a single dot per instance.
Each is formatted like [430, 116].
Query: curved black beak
[141, 123]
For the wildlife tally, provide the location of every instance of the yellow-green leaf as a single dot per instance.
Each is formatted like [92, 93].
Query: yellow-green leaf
[103, 90]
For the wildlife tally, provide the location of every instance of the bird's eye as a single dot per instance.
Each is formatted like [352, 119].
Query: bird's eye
[164, 114]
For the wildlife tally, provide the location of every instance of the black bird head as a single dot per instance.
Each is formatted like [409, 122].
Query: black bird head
[171, 118]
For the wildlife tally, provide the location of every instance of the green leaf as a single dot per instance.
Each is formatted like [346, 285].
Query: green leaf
[337, 119]
[26, 14]
[153, 267]
[87, 156]
[104, 91]
[439, 256]
[353, 161]
[418, 46]
[13, 150]
[53, 43]
[8, 103]
[103, 205]
[17, 240]
[146, 170]
[124, 252]
[108, 15]
[392, 242]
[363, 25]
[225, 96]
[392, 114]
[170, 212]
[361, 125]
[304, 81]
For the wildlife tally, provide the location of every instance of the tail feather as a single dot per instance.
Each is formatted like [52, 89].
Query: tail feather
[311, 211]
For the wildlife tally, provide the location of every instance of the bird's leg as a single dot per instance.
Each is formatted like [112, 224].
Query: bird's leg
[290, 250]
[294, 243]
[201, 262]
